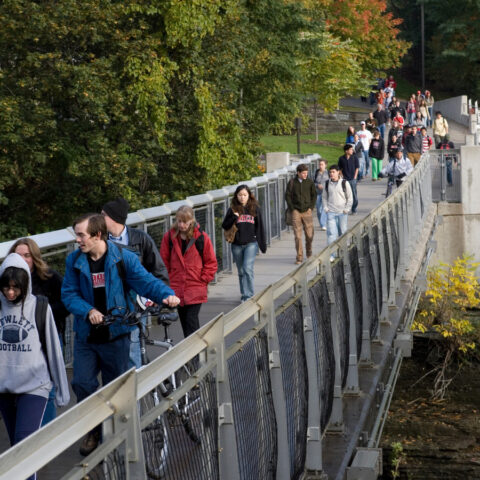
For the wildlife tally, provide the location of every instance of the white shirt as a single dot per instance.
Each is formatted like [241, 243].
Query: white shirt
[365, 136]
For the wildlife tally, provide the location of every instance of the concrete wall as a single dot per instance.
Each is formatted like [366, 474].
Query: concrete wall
[460, 231]
[455, 108]
[335, 121]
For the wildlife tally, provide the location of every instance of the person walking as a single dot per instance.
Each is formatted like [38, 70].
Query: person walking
[321, 178]
[365, 137]
[142, 244]
[301, 197]
[246, 215]
[98, 277]
[339, 200]
[46, 282]
[376, 154]
[191, 263]
[429, 101]
[440, 129]
[413, 146]
[29, 367]
[381, 116]
[349, 167]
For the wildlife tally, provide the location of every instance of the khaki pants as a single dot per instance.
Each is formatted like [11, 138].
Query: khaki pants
[414, 157]
[303, 220]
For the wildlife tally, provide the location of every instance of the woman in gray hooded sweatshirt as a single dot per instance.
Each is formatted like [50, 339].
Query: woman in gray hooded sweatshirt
[26, 371]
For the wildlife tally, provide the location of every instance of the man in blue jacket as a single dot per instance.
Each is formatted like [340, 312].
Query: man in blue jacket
[93, 284]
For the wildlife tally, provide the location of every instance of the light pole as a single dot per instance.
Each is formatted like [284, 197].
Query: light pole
[422, 34]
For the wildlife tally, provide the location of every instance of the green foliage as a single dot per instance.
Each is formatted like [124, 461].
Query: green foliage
[154, 100]
[397, 456]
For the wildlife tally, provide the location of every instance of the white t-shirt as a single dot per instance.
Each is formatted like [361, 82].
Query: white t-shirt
[365, 136]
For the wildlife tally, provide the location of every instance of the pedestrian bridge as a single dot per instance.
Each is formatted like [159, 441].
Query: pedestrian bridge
[295, 382]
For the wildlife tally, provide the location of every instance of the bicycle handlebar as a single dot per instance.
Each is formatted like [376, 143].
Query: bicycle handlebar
[164, 314]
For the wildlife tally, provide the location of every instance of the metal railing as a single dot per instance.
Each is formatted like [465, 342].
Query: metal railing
[446, 175]
[264, 399]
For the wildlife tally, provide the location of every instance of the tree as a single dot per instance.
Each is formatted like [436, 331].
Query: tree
[442, 314]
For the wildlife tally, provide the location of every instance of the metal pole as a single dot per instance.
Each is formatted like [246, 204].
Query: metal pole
[298, 125]
[422, 24]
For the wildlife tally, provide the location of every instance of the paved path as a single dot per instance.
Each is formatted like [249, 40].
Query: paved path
[225, 295]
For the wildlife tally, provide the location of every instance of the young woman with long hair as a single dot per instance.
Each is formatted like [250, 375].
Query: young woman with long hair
[46, 282]
[28, 369]
[246, 214]
[190, 259]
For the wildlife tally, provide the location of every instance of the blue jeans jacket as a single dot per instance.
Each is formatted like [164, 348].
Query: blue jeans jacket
[77, 289]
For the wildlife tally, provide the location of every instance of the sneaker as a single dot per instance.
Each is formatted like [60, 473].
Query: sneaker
[323, 228]
[89, 443]
[298, 262]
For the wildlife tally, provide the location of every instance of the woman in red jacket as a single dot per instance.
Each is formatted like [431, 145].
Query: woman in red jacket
[190, 259]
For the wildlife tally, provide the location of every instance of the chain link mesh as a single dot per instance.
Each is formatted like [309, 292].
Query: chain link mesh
[253, 410]
[378, 267]
[394, 219]
[386, 247]
[370, 287]
[182, 442]
[273, 193]
[343, 318]
[322, 334]
[357, 295]
[157, 230]
[295, 384]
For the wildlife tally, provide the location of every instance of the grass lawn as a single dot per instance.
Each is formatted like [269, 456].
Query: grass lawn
[288, 143]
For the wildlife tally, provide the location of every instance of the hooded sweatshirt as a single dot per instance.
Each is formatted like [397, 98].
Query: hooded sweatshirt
[23, 365]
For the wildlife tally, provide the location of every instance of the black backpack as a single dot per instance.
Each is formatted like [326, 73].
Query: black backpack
[344, 186]
[40, 320]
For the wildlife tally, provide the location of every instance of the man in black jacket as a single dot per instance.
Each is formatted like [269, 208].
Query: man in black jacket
[140, 242]
[413, 145]
[301, 197]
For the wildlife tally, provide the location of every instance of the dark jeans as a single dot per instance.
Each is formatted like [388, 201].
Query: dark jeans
[353, 185]
[22, 414]
[110, 359]
[189, 318]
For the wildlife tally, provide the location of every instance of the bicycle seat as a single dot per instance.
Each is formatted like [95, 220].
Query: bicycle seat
[166, 316]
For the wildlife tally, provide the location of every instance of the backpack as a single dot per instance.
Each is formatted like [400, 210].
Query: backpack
[40, 320]
[344, 187]
[199, 243]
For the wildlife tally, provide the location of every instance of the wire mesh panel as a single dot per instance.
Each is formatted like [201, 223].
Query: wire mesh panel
[357, 295]
[183, 441]
[295, 384]
[156, 230]
[201, 216]
[420, 198]
[378, 268]
[253, 410]
[282, 187]
[221, 247]
[394, 234]
[262, 201]
[112, 467]
[370, 287]
[386, 247]
[322, 334]
[273, 195]
[343, 318]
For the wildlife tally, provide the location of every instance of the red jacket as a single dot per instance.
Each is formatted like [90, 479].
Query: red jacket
[189, 275]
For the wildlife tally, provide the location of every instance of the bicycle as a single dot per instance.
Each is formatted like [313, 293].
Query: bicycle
[155, 436]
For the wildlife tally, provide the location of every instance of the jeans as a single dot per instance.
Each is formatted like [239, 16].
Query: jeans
[430, 120]
[381, 129]
[336, 226]
[412, 118]
[448, 164]
[22, 414]
[353, 185]
[321, 215]
[111, 359]
[361, 169]
[367, 162]
[50, 410]
[244, 258]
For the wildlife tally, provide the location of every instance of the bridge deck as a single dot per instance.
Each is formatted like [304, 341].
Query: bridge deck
[225, 294]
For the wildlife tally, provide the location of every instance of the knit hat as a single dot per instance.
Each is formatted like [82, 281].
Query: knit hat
[117, 210]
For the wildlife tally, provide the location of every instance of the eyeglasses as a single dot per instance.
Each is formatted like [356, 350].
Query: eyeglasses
[15, 290]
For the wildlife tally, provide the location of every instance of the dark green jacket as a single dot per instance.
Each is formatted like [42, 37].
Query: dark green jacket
[300, 195]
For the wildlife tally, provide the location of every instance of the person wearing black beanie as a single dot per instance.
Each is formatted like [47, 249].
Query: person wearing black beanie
[117, 210]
